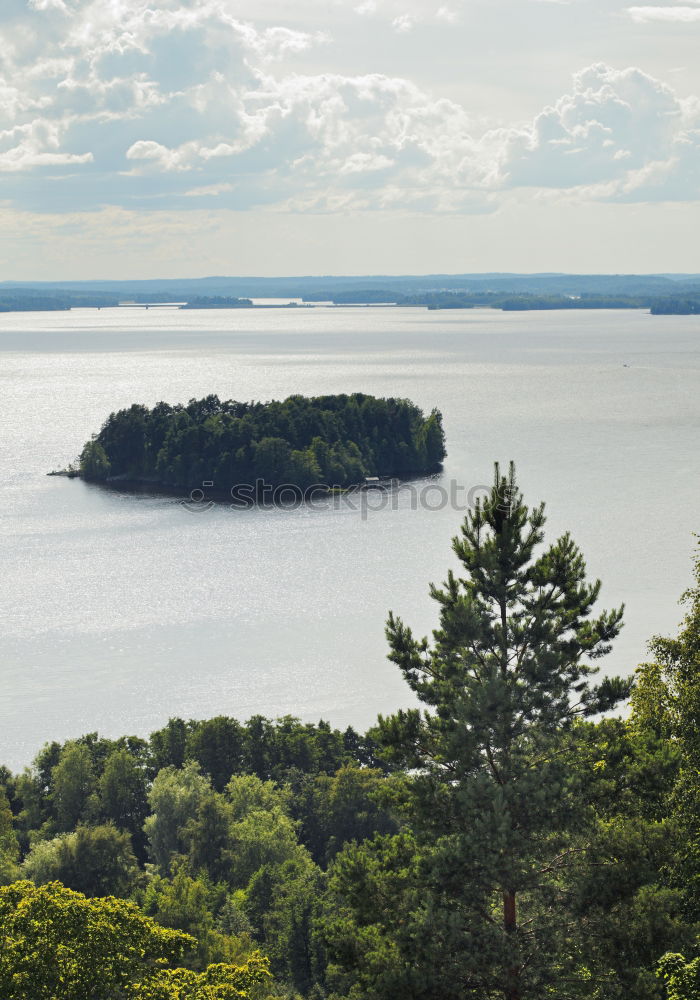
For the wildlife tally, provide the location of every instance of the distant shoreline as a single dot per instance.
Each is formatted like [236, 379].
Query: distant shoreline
[655, 309]
[232, 496]
[657, 293]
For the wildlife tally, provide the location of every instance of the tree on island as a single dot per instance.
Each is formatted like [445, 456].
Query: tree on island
[94, 463]
[491, 794]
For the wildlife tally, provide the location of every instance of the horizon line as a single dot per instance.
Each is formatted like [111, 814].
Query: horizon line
[370, 275]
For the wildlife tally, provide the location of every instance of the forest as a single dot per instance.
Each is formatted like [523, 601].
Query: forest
[527, 830]
[527, 302]
[332, 441]
[676, 306]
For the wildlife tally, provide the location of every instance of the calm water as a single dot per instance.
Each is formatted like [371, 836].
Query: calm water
[119, 611]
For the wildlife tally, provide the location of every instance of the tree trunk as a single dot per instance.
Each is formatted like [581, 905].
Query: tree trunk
[510, 923]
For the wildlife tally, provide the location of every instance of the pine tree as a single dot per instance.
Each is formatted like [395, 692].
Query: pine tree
[492, 794]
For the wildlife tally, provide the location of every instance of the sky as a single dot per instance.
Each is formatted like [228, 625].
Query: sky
[173, 138]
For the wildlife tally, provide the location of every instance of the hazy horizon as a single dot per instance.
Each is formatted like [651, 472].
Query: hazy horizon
[350, 274]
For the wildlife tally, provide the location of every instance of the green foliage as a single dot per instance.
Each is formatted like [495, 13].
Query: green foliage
[168, 745]
[173, 799]
[263, 747]
[499, 843]
[335, 810]
[626, 769]
[627, 913]
[678, 668]
[282, 902]
[207, 835]
[95, 860]
[73, 787]
[94, 463]
[681, 978]
[233, 869]
[123, 796]
[262, 834]
[249, 981]
[666, 702]
[32, 809]
[58, 945]
[384, 935]
[9, 845]
[336, 440]
[189, 904]
[218, 746]
[651, 701]
[247, 794]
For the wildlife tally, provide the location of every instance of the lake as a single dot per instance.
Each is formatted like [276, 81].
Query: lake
[119, 611]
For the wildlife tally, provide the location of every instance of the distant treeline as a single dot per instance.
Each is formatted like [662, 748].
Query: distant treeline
[522, 303]
[42, 303]
[360, 296]
[514, 301]
[23, 300]
[511, 293]
[526, 301]
[676, 306]
[332, 440]
[29, 300]
[494, 300]
[217, 302]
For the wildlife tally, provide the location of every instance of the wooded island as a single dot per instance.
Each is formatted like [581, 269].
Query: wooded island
[335, 441]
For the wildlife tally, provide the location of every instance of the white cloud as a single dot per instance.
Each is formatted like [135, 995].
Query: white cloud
[331, 139]
[49, 5]
[162, 157]
[21, 158]
[36, 144]
[153, 101]
[618, 133]
[105, 65]
[447, 14]
[682, 15]
[404, 15]
[404, 22]
[209, 191]
[360, 163]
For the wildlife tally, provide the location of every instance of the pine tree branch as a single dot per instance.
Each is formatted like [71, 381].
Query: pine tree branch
[492, 765]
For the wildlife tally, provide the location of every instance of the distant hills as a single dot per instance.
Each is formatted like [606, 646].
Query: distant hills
[312, 285]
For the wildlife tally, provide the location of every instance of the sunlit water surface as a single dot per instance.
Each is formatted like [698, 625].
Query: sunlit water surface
[119, 611]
